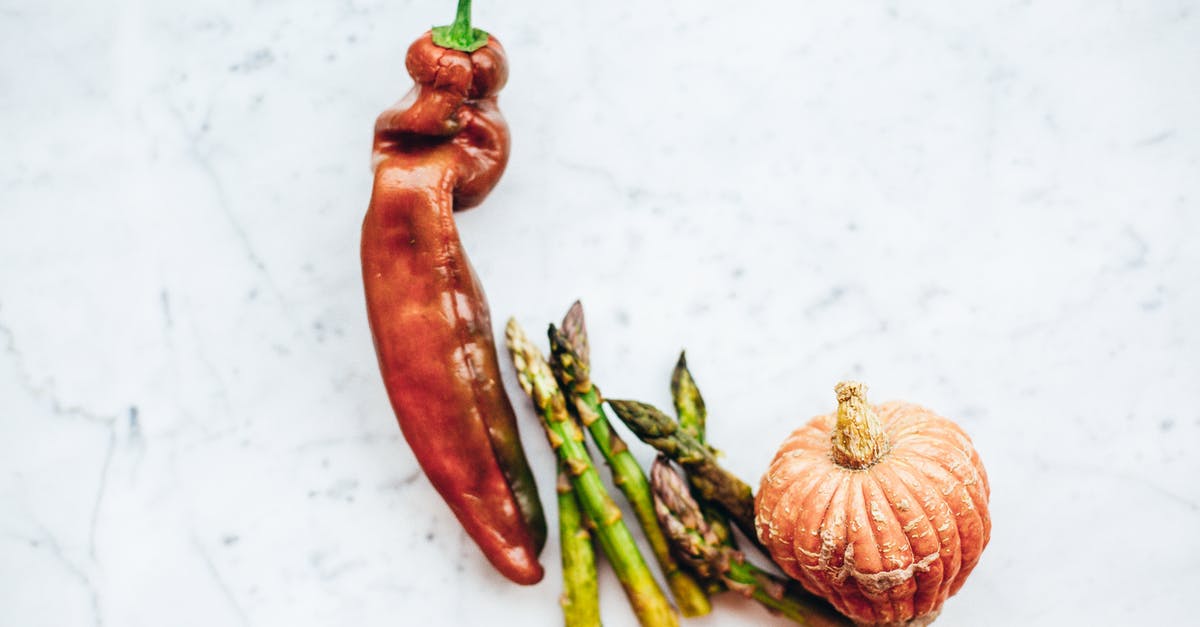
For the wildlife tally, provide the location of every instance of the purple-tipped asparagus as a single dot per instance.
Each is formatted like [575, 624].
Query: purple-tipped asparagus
[698, 546]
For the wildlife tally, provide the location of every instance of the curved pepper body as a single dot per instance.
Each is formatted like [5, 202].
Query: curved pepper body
[440, 149]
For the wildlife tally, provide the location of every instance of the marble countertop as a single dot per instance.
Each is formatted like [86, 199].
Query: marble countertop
[992, 209]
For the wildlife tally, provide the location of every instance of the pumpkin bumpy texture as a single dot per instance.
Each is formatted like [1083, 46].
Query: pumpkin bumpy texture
[886, 544]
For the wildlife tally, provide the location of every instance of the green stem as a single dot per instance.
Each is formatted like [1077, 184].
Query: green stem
[581, 595]
[462, 19]
[772, 594]
[460, 35]
[647, 599]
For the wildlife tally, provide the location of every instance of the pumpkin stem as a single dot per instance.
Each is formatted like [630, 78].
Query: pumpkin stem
[858, 439]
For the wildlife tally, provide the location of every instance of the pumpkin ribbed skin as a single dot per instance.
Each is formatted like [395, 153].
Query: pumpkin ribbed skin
[886, 544]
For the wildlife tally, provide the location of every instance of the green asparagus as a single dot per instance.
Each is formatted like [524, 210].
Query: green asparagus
[689, 405]
[581, 595]
[693, 418]
[711, 482]
[535, 377]
[572, 371]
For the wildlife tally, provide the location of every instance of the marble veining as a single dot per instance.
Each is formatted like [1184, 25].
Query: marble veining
[991, 209]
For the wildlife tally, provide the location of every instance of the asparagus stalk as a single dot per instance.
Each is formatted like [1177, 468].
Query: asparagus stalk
[689, 405]
[649, 604]
[693, 417]
[573, 373]
[711, 482]
[697, 544]
[581, 595]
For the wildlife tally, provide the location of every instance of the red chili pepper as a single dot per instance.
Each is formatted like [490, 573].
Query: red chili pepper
[440, 149]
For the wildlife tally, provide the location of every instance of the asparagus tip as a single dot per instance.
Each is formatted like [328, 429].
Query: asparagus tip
[681, 520]
[576, 310]
[575, 331]
[689, 404]
[533, 372]
[643, 419]
[571, 371]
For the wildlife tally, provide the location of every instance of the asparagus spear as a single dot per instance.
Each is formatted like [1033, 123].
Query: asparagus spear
[695, 542]
[711, 482]
[581, 596]
[693, 416]
[649, 604]
[689, 405]
[572, 370]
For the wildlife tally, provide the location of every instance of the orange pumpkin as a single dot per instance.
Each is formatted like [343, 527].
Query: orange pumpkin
[880, 510]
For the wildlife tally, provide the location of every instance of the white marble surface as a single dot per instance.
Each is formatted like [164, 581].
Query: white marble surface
[989, 208]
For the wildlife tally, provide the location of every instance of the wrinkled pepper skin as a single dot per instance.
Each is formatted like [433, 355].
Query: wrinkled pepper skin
[442, 148]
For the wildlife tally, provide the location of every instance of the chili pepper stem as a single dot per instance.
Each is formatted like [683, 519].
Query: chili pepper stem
[535, 377]
[462, 19]
[459, 35]
[571, 370]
